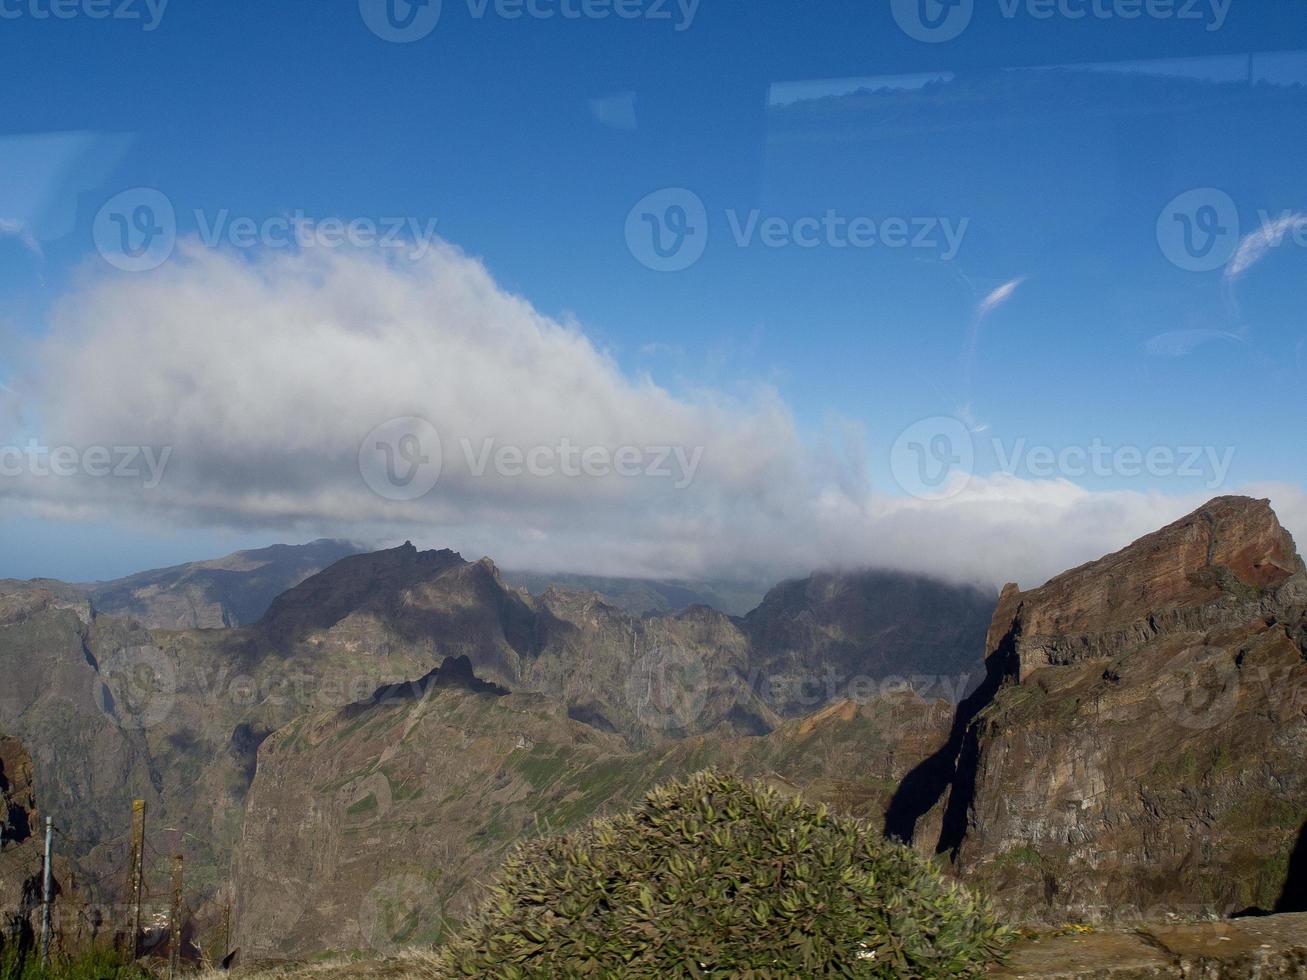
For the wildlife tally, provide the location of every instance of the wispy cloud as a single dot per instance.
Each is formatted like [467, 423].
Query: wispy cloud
[13, 228]
[998, 297]
[994, 299]
[1257, 244]
[1178, 343]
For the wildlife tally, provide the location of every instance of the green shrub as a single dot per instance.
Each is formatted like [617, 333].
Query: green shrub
[25, 964]
[715, 877]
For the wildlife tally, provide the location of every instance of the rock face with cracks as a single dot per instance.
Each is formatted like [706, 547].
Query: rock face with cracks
[1145, 750]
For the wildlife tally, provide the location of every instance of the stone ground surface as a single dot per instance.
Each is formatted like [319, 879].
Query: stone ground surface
[1267, 948]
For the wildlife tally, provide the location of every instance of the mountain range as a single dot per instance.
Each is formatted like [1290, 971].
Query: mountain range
[1127, 739]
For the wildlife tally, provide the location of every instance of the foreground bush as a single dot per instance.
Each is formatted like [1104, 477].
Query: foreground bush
[717, 877]
[91, 965]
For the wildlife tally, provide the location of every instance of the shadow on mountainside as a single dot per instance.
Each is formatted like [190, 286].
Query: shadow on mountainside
[1293, 897]
[953, 766]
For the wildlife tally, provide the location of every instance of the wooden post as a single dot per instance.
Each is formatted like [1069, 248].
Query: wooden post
[47, 889]
[136, 880]
[175, 919]
[226, 929]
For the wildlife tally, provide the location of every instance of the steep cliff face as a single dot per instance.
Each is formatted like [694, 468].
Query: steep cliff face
[376, 825]
[22, 863]
[1149, 755]
[20, 852]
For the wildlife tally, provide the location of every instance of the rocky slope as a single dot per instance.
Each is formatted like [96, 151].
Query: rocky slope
[826, 636]
[114, 711]
[20, 851]
[226, 591]
[374, 825]
[22, 864]
[809, 643]
[1144, 750]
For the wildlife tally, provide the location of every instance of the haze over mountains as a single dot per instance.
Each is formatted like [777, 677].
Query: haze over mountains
[237, 589]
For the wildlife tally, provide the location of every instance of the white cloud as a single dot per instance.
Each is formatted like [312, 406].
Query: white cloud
[265, 375]
[1178, 343]
[1255, 245]
[998, 297]
[13, 228]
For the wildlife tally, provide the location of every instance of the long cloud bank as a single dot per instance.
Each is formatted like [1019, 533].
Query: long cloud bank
[346, 393]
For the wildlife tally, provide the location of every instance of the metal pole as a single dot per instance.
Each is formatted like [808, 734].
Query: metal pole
[46, 890]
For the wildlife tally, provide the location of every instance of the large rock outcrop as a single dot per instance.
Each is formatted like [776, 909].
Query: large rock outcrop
[22, 864]
[1146, 750]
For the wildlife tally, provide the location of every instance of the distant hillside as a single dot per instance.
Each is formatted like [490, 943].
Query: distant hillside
[642, 595]
[230, 591]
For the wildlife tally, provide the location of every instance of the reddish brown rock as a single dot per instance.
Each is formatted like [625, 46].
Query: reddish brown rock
[1228, 561]
[1148, 753]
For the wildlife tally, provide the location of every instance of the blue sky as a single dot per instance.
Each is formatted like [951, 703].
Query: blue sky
[1051, 145]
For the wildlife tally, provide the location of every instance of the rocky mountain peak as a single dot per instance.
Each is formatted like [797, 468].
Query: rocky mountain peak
[1227, 561]
[322, 600]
